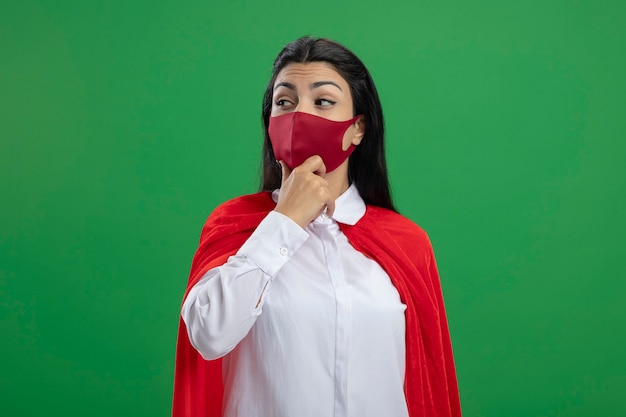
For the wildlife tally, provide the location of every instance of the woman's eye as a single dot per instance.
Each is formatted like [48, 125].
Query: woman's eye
[282, 102]
[324, 102]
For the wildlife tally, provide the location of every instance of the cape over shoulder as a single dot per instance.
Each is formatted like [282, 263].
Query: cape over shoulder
[395, 223]
[225, 231]
[401, 233]
[245, 204]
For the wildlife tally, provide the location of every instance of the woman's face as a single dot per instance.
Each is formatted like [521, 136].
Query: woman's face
[314, 88]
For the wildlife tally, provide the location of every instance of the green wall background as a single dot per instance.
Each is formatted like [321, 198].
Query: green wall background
[123, 124]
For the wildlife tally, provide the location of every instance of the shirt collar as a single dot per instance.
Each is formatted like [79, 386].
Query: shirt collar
[349, 206]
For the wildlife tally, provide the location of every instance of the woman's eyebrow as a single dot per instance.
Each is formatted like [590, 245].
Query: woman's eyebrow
[321, 83]
[284, 84]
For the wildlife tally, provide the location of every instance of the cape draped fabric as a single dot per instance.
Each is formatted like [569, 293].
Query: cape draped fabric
[397, 244]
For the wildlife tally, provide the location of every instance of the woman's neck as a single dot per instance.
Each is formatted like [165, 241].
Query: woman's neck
[338, 181]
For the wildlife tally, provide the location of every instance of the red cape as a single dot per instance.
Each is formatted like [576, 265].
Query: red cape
[397, 244]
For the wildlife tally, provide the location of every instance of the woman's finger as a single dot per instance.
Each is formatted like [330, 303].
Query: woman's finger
[314, 164]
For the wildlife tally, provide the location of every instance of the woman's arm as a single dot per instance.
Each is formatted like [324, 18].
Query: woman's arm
[223, 306]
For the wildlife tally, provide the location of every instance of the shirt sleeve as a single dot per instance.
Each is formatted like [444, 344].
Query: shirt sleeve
[223, 306]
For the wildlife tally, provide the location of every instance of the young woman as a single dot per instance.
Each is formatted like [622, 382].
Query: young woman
[315, 297]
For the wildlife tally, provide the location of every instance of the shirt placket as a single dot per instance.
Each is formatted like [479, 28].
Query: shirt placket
[343, 317]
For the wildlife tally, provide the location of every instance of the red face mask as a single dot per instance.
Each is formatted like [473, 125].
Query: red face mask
[297, 136]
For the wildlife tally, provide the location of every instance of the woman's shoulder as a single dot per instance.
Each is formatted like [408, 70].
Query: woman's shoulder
[235, 209]
[395, 224]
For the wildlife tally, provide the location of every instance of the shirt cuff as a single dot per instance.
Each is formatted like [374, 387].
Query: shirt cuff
[273, 242]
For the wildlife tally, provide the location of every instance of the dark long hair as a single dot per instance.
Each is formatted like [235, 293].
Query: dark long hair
[367, 166]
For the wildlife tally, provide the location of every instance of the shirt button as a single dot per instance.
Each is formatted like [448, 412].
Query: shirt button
[283, 251]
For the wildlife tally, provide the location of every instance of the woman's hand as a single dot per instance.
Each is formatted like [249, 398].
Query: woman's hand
[304, 192]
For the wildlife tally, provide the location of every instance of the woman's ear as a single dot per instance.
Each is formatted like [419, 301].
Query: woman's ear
[359, 131]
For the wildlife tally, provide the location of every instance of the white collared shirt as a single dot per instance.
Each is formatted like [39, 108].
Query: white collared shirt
[307, 325]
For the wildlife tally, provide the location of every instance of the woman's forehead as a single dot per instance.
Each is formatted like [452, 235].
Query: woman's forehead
[309, 72]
